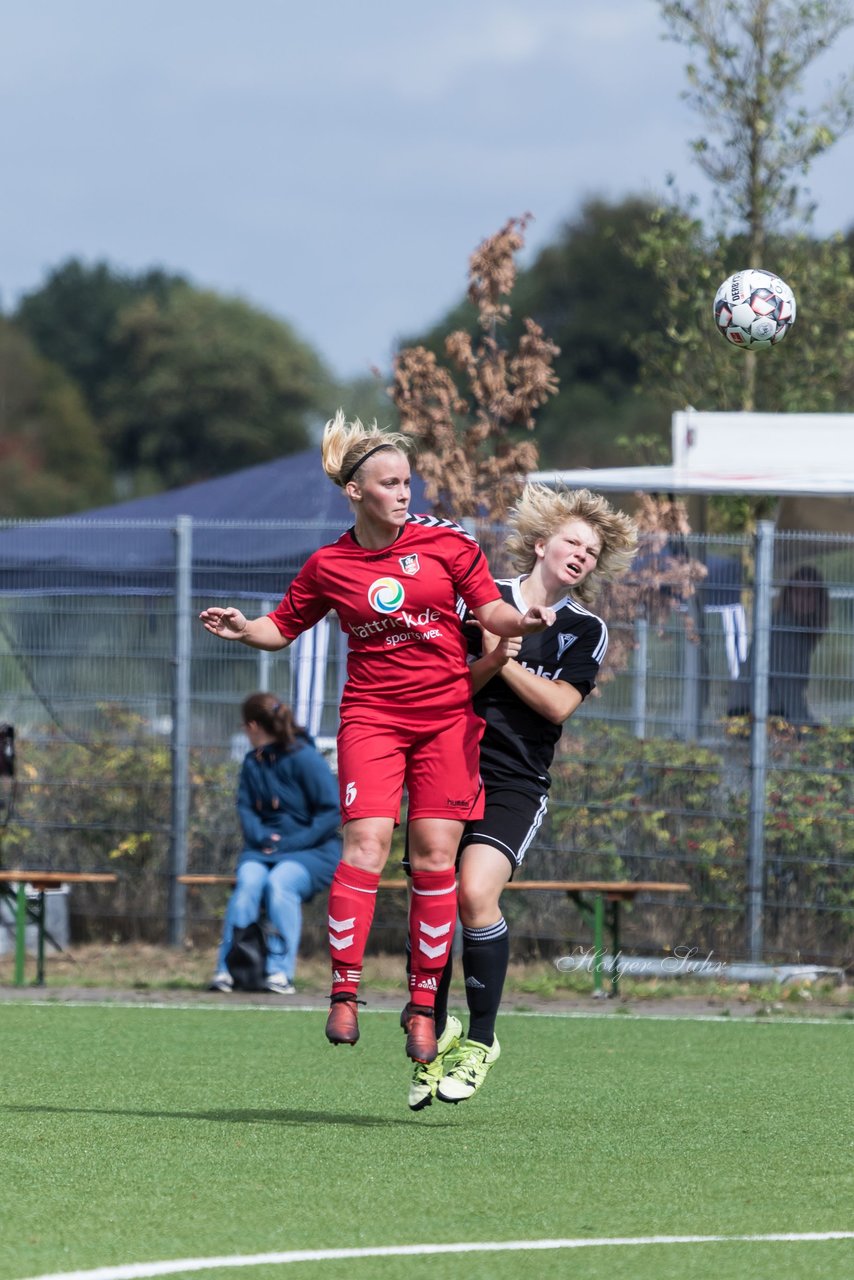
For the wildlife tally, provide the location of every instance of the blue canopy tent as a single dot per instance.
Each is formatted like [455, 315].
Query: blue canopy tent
[262, 522]
[242, 535]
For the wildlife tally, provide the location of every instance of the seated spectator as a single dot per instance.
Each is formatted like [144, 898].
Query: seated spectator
[287, 802]
[798, 621]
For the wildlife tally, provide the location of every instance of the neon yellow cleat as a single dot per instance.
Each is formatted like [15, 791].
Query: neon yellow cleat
[426, 1075]
[468, 1072]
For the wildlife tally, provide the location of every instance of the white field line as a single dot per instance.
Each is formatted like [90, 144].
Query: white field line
[616, 1015]
[141, 1270]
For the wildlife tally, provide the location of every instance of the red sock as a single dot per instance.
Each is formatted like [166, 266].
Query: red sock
[432, 916]
[352, 898]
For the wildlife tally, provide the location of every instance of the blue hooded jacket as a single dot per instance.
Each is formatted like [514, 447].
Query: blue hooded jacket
[294, 795]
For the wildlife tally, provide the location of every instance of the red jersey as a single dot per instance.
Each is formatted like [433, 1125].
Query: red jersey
[396, 607]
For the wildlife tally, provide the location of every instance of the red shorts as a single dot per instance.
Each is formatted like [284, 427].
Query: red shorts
[437, 761]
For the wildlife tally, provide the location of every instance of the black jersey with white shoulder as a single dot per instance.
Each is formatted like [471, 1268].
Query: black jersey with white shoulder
[518, 744]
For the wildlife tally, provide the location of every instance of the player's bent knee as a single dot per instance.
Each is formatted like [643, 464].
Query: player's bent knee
[478, 908]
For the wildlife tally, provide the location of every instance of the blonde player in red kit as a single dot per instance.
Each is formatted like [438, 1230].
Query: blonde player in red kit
[406, 716]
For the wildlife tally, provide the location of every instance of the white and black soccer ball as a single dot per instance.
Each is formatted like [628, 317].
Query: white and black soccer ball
[754, 309]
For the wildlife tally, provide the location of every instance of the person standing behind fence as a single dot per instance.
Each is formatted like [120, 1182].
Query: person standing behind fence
[799, 619]
[562, 542]
[287, 802]
[406, 716]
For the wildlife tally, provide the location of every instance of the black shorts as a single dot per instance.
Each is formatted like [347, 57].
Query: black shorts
[509, 824]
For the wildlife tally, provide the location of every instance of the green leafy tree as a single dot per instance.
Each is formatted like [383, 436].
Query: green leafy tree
[51, 459]
[72, 318]
[686, 362]
[204, 385]
[588, 290]
[183, 383]
[760, 134]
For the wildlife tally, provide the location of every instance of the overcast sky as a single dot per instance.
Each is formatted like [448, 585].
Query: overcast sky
[331, 161]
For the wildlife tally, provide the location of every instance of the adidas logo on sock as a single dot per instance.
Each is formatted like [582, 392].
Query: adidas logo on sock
[473, 982]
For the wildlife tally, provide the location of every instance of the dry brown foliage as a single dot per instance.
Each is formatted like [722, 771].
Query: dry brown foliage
[470, 464]
[659, 584]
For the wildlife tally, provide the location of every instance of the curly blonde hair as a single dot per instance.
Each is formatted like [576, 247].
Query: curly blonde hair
[540, 512]
[346, 444]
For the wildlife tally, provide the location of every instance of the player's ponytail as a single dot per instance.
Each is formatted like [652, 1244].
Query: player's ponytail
[346, 445]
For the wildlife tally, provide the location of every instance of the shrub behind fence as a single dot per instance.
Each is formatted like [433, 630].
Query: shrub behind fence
[119, 698]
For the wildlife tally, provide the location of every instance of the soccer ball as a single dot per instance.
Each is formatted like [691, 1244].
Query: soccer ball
[754, 309]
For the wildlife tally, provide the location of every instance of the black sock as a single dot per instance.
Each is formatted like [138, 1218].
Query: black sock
[441, 1013]
[486, 953]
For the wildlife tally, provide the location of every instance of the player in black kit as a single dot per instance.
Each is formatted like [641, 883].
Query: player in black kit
[525, 690]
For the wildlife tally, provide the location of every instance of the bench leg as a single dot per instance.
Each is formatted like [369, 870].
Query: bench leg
[20, 934]
[40, 924]
[598, 942]
[615, 947]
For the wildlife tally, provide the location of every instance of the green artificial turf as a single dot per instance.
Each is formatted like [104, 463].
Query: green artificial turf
[135, 1134]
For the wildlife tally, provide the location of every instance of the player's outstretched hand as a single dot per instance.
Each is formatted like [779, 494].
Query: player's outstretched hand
[503, 648]
[228, 624]
[538, 617]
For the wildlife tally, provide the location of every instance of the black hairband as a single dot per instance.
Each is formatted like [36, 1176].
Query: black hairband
[364, 458]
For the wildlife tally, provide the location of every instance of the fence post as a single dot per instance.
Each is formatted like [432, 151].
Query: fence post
[759, 737]
[180, 729]
[691, 673]
[265, 655]
[639, 675]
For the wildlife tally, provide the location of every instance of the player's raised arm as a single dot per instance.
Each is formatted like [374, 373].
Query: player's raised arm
[502, 619]
[231, 624]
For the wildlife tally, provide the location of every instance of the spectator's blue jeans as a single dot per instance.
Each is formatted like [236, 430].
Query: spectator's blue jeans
[286, 885]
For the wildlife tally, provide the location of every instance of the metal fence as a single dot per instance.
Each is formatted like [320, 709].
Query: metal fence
[721, 752]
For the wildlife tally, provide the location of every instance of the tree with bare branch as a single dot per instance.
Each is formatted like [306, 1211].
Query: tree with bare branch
[471, 461]
[472, 464]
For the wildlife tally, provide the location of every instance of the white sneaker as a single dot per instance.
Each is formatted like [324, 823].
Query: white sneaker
[280, 983]
[222, 981]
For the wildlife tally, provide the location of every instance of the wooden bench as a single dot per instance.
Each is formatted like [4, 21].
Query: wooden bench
[597, 900]
[41, 881]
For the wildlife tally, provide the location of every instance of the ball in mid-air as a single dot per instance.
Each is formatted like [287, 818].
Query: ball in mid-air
[754, 309]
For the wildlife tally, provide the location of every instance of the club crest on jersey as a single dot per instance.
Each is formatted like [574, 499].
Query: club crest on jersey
[409, 564]
[564, 640]
[386, 595]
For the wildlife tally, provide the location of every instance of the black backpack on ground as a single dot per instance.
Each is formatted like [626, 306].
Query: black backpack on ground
[246, 960]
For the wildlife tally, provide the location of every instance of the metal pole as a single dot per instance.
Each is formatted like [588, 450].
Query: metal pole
[180, 730]
[264, 655]
[639, 682]
[691, 675]
[759, 738]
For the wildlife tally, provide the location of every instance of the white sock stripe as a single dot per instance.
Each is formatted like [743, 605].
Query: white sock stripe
[356, 888]
[434, 893]
[340, 943]
[338, 925]
[487, 933]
